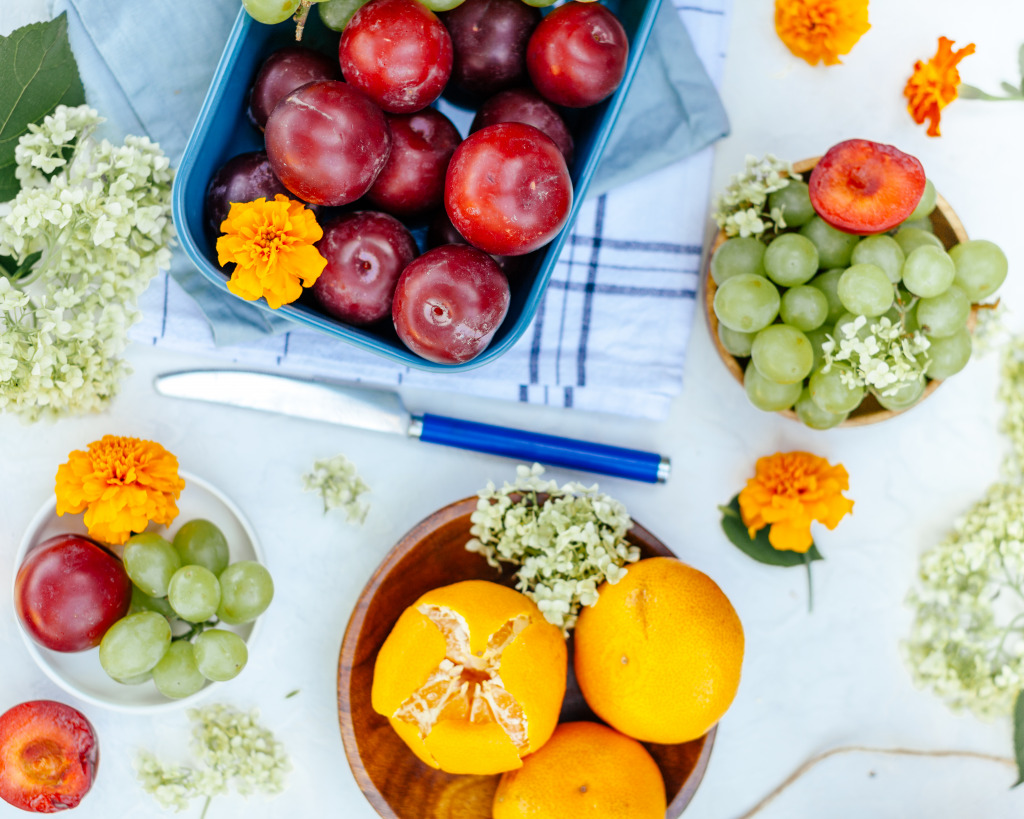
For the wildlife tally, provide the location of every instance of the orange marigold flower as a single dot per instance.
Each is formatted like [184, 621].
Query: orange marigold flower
[934, 84]
[788, 492]
[121, 484]
[271, 245]
[821, 29]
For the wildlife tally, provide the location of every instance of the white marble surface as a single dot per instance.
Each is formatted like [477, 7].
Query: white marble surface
[810, 681]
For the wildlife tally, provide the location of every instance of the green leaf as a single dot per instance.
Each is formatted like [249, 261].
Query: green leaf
[37, 73]
[8, 266]
[759, 547]
[1018, 737]
[1020, 65]
[1012, 91]
[25, 268]
[969, 92]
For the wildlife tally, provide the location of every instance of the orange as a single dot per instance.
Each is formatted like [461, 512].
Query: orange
[585, 769]
[472, 677]
[658, 655]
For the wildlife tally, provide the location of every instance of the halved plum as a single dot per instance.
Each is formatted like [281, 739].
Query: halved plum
[48, 756]
[865, 187]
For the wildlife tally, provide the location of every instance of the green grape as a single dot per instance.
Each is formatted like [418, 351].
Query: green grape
[768, 395]
[734, 342]
[194, 593]
[746, 303]
[150, 561]
[795, 203]
[880, 250]
[790, 259]
[741, 254]
[246, 590]
[176, 675]
[804, 307]
[539, 3]
[201, 543]
[944, 314]
[928, 271]
[782, 354]
[910, 238]
[817, 338]
[441, 5]
[270, 12]
[144, 602]
[831, 393]
[828, 283]
[834, 246]
[865, 290]
[220, 655]
[947, 356]
[919, 224]
[850, 318]
[980, 268]
[335, 14]
[927, 203]
[905, 395]
[814, 416]
[134, 644]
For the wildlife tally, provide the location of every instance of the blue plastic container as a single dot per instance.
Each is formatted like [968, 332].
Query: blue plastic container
[223, 130]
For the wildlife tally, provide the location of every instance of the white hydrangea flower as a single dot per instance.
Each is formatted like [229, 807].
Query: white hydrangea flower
[880, 355]
[99, 215]
[232, 749]
[967, 641]
[739, 209]
[340, 486]
[565, 544]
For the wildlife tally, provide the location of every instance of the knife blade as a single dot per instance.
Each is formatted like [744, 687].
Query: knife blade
[380, 410]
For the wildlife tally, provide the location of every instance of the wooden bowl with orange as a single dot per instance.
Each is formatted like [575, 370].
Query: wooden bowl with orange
[394, 781]
[947, 227]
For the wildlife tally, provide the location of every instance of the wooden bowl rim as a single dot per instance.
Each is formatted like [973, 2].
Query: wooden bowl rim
[942, 208]
[406, 544]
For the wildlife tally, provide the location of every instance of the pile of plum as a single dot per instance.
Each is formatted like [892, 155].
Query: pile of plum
[356, 138]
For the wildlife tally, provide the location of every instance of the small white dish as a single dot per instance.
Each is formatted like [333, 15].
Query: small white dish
[79, 673]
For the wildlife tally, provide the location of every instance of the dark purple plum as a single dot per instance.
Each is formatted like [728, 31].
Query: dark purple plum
[489, 40]
[526, 105]
[281, 73]
[243, 178]
[449, 303]
[327, 142]
[412, 181]
[366, 252]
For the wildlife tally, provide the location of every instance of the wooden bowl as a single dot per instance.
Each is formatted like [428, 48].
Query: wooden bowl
[947, 228]
[396, 783]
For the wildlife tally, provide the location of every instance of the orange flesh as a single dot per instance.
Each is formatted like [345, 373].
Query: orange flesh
[467, 685]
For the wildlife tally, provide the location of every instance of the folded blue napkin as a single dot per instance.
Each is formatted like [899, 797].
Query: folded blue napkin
[147, 66]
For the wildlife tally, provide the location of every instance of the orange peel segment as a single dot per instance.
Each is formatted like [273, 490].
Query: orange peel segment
[471, 678]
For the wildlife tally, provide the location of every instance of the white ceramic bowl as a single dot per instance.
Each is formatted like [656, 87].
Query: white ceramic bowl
[79, 673]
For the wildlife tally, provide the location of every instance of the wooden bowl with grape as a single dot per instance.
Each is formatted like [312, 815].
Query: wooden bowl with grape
[945, 225]
[394, 781]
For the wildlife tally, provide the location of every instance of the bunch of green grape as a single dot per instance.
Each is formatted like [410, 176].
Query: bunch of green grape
[778, 303]
[181, 592]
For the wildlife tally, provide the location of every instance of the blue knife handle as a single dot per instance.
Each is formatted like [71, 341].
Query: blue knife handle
[545, 449]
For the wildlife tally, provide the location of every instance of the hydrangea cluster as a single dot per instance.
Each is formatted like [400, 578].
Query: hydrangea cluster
[232, 748]
[339, 485]
[98, 215]
[566, 540]
[1011, 392]
[967, 640]
[882, 356]
[740, 208]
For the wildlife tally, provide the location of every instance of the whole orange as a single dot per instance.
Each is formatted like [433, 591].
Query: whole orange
[585, 769]
[472, 677]
[658, 655]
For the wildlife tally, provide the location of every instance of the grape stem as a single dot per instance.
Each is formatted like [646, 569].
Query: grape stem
[300, 18]
[196, 629]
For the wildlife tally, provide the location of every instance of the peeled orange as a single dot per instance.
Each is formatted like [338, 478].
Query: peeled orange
[472, 677]
[658, 655]
[585, 769]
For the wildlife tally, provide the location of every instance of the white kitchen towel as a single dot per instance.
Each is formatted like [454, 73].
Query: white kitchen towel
[611, 332]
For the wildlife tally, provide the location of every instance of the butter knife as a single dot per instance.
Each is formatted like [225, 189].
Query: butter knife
[383, 411]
